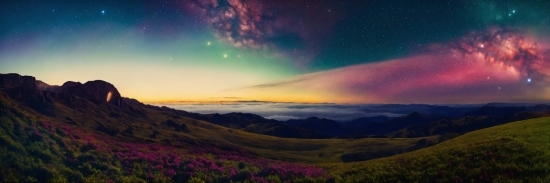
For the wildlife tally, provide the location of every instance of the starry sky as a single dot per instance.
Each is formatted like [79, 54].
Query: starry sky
[470, 51]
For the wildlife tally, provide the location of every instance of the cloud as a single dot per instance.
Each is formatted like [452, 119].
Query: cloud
[274, 84]
[282, 117]
[503, 65]
[285, 111]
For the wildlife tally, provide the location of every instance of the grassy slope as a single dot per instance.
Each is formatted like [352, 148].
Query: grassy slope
[202, 133]
[43, 151]
[513, 152]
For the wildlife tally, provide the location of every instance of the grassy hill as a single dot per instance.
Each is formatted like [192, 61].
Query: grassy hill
[168, 130]
[514, 152]
[82, 141]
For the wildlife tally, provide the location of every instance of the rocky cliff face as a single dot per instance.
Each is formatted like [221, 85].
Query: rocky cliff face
[97, 91]
[25, 89]
[38, 93]
[100, 91]
[15, 80]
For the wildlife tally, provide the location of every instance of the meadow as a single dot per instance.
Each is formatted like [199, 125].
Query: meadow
[514, 152]
[37, 148]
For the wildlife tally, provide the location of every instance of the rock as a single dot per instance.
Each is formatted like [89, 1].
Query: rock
[46, 87]
[15, 80]
[41, 95]
[25, 89]
[97, 91]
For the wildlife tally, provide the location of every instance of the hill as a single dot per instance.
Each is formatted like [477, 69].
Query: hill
[514, 152]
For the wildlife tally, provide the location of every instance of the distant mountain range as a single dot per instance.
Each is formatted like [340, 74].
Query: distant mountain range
[447, 122]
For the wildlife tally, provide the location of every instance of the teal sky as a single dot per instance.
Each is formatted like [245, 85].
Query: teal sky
[278, 50]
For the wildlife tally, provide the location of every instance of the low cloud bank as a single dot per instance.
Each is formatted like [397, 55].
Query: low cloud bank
[286, 111]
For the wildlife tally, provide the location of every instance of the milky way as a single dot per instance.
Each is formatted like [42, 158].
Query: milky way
[509, 49]
[265, 25]
[483, 66]
[467, 51]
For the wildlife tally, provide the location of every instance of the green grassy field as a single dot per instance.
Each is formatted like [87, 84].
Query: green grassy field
[514, 152]
[204, 133]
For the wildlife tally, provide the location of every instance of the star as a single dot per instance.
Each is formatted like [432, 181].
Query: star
[528, 80]
[102, 11]
[208, 43]
[513, 11]
[224, 55]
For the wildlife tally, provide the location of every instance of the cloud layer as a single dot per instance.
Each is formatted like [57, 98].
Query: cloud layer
[285, 111]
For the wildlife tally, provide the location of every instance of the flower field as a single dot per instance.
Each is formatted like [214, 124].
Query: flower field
[44, 150]
[63, 153]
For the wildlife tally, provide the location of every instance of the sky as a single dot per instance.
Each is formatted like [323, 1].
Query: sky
[436, 52]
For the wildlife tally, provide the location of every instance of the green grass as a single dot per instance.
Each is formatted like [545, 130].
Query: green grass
[514, 152]
[87, 115]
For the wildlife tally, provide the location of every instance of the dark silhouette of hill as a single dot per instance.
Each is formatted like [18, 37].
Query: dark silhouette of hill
[414, 124]
[366, 120]
[420, 108]
[250, 123]
[321, 125]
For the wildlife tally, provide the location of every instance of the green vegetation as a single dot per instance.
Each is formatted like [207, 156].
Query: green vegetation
[144, 124]
[113, 146]
[44, 151]
[515, 152]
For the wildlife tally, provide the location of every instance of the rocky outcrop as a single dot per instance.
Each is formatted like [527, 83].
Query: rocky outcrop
[25, 89]
[15, 80]
[97, 91]
[46, 87]
[39, 94]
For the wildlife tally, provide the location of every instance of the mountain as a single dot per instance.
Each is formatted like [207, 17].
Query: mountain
[366, 120]
[324, 126]
[443, 110]
[415, 124]
[250, 123]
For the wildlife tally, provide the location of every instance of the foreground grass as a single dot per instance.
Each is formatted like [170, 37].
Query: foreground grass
[151, 126]
[515, 152]
[46, 151]
[34, 148]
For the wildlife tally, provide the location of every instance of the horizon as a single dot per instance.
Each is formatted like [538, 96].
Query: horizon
[237, 99]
